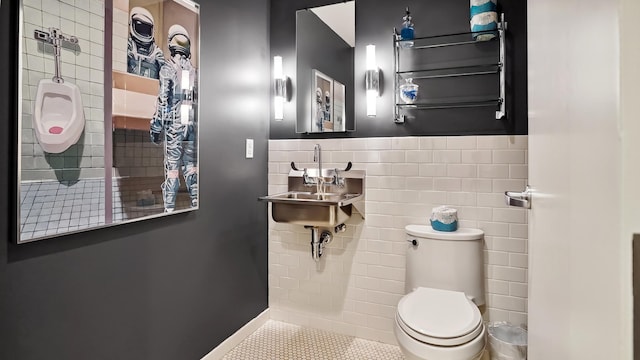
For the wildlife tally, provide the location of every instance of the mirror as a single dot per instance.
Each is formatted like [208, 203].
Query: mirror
[325, 45]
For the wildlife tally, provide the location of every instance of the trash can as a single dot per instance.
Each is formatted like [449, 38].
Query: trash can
[507, 342]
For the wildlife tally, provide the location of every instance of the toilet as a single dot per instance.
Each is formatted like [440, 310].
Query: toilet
[439, 317]
[58, 116]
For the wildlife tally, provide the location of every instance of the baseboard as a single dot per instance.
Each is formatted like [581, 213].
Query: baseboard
[237, 337]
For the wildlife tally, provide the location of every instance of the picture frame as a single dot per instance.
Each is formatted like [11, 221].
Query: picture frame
[108, 114]
[321, 102]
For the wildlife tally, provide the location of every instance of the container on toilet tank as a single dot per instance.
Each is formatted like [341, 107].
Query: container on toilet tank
[446, 260]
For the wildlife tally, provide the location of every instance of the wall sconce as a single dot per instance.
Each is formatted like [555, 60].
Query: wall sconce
[372, 80]
[280, 88]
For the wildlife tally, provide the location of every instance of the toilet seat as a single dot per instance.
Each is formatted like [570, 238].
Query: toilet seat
[439, 317]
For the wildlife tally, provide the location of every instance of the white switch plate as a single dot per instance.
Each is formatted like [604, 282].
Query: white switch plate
[249, 149]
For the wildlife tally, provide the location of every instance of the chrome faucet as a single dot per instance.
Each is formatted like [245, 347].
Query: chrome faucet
[317, 157]
[55, 37]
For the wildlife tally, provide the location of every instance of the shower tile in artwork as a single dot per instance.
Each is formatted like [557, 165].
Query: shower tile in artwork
[136, 197]
[51, 207]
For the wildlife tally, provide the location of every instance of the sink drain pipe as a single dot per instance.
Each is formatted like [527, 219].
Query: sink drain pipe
[318, 241]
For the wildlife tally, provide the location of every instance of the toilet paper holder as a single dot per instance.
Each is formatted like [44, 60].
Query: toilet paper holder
[519, 199]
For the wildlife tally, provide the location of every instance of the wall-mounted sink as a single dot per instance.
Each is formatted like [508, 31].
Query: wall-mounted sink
[303, 205]
[312, 198]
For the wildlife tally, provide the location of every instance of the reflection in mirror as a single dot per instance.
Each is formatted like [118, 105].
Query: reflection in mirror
[338, 106]
[325, 40]
[321, 106]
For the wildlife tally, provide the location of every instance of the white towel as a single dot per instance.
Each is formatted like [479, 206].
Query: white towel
[444, 214]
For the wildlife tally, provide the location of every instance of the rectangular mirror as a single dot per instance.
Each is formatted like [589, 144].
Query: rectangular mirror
[108, 126]
[325, 41]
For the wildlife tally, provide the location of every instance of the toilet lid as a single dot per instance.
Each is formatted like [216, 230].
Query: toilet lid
[439, 317]
[427, 232]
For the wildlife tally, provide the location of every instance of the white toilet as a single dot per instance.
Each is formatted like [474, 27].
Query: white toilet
[58, 116]
[439, 318]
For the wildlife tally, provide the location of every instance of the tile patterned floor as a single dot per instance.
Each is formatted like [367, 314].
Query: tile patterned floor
[50, 207]
[280, 341]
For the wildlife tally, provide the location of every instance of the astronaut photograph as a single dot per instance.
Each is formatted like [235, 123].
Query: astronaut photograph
[144, 57]
[84, 163]
[158, 77]
[322, 102]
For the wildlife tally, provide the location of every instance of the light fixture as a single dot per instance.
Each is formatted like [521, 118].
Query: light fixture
[372, 80]
[280, 88]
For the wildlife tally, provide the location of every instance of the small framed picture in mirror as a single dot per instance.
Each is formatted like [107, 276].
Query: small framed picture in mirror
[322, 102]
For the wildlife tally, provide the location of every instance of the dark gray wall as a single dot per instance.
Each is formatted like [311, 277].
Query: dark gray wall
[170, 288]
[320, 48]
[375, 20]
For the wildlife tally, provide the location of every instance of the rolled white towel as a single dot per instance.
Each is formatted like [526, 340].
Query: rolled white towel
[444, 218]
[484, 17]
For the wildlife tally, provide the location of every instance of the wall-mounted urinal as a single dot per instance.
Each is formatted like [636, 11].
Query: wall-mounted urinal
[58, 116]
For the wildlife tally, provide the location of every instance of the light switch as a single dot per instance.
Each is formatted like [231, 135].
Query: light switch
[249, 149]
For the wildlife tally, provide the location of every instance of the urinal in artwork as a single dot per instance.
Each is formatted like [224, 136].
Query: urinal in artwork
[58, 116]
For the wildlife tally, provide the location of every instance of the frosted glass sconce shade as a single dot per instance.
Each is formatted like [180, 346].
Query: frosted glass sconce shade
[280, 88]
[372, 80]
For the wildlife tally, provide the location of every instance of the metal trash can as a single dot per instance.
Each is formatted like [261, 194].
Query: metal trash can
[507, 342]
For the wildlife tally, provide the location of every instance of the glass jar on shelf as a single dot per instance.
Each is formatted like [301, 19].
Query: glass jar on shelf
[409, 91]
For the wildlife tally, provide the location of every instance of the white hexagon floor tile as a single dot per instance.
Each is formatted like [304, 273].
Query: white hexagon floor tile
[276, 340]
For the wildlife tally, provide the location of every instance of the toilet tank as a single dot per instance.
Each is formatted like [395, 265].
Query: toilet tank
[446, 260]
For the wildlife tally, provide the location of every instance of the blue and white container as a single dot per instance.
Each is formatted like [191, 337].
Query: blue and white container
[407, 32]
[484, 18]
[444, 218]
[409, 91]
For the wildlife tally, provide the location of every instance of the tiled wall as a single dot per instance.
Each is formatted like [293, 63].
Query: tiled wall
[135, 155]
[120, 35]
[50, 207]
[83, 66]
[354, 289]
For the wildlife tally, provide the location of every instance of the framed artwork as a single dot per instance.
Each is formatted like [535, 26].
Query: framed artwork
[108, 104]
[322, 102]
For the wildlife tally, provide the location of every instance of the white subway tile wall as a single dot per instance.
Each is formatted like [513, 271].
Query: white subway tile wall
[81, 65]
[355, 287]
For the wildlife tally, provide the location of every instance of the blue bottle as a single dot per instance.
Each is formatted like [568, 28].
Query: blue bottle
[406, 32]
